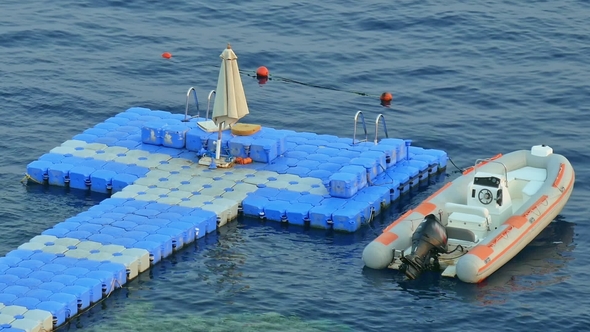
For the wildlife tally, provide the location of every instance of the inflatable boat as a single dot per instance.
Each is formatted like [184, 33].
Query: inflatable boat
[475, 224]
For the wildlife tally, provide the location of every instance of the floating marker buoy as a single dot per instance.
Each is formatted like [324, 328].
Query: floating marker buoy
[166, 55]
[262, 72]
[262, 75]
[386, 97]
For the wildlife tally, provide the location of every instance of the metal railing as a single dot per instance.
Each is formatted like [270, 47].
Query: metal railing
[356, 117]
[212, 93]
[484, 161]
[381, 118]
[188, 94]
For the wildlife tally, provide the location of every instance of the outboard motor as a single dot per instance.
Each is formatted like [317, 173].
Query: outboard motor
[428, 241]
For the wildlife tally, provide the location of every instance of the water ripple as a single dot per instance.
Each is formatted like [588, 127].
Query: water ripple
[474, 78]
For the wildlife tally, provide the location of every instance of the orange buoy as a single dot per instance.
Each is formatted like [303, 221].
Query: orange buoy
[166, 55]
[262, 72]
[386, 97]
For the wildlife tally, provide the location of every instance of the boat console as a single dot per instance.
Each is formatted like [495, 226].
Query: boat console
[488, 204]
[490, 190]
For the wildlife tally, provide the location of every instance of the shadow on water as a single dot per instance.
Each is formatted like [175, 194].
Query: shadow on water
[538, 265]
[311, 234]
[211, 274]
[34, 208]
[64, 195]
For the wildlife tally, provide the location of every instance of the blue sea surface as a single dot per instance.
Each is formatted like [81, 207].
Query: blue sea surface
[473, 78]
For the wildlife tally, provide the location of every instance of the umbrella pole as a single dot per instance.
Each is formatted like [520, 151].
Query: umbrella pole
[218, 145]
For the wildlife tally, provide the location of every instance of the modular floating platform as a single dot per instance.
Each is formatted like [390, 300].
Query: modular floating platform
[161, 199]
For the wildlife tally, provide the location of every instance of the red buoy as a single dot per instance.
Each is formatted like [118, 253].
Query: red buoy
[262, 72]
[386, 97]
[166, 55]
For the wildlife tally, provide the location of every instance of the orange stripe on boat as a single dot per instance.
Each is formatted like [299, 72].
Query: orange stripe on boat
[516, 221]
[387, 238]
[470, 169]
[535, 205]
[559, 175]
[425, 208]
[483, 252]
[402, 217]
[499, 237]
[570, 184]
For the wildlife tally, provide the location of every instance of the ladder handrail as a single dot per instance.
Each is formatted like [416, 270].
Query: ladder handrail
[380, 117]
[188, 93]
[356, 116]
[209, 103]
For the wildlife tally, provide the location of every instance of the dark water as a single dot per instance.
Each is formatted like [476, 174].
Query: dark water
[474, 78]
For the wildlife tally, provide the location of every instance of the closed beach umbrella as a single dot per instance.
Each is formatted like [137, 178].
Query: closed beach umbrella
[230, 99]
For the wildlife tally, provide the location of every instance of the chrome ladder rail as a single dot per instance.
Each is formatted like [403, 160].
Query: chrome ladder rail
[380, 117]
[212, 93]
[188, 93]
[356, 117]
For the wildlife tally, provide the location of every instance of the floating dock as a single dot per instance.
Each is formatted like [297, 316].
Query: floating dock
[161, 199]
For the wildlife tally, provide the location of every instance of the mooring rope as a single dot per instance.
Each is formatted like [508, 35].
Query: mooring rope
[288, 80]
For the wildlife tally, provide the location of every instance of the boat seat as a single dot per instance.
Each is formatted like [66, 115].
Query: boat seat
[461, 234]
[528, 174]
[475, 219]
[469, 209]
[532, 187]
[475, 223]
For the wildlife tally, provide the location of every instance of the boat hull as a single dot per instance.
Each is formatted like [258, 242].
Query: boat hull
[529, 206]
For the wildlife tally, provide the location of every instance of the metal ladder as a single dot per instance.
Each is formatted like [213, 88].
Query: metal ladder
[380, 118]
[188, 94]
[212, 93]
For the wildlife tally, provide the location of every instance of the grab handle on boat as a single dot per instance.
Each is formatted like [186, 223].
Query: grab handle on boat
[188, 93]
[381, 118]
[489, 160]
[356, 117]
[212, 93]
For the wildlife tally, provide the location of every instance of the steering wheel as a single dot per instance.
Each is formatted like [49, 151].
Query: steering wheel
[485, 196]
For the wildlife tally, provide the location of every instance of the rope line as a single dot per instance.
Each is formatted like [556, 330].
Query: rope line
[288, 80]
[27, 178]
[459, 170]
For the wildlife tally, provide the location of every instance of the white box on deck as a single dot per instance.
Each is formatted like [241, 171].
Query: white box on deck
[541, 150]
